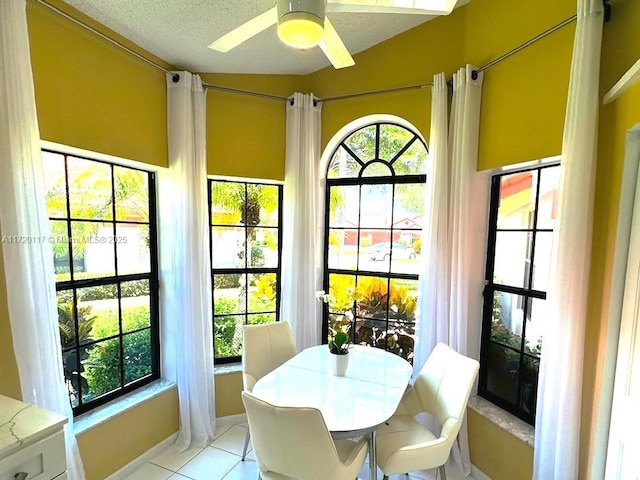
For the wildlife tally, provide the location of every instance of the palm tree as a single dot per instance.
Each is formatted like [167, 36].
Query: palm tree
[87, 180]
[243, 203]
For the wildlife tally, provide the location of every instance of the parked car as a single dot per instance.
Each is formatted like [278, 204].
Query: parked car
[380, 251]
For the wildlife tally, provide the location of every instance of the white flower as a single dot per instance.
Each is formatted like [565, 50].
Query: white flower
[323, 296]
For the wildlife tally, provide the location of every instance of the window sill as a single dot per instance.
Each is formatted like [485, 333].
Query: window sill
[503, 419]
[106, 412]
[227, 368]
[89, 420]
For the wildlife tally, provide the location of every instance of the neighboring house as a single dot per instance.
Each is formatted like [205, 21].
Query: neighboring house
[372, 236]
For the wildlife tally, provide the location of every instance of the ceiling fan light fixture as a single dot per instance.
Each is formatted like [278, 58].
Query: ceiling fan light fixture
[301, 22]
[300, 31]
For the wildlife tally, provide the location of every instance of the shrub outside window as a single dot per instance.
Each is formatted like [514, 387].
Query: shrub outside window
[103, 236]
[374, 216]
[521, 222]
[245, 259]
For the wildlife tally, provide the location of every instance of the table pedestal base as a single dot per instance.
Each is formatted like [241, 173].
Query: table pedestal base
[373, 464]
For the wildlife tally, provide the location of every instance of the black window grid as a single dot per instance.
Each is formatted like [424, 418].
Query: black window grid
[526, 294]
[73, 285]
[245, 271]
[392, 180]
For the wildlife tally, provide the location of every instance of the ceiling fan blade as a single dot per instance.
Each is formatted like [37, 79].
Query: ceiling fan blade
[332, 46]
[245, 31]
[419, 7]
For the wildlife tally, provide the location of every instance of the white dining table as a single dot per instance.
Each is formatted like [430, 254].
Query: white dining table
[353, 405]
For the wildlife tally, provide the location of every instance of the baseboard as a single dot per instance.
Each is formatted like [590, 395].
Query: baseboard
[477, 474]
[132, 466]
[231, 420]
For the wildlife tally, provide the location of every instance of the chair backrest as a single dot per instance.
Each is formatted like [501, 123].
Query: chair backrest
[264, 348]
[443, 387]
[290, 441]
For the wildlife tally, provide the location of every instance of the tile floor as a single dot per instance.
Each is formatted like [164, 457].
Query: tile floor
[222, 461]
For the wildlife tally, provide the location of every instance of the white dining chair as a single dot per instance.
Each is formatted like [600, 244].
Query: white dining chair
[442, 390]
[293, 443]
[264, 348]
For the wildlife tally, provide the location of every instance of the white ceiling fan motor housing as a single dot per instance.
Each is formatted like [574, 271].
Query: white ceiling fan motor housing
[313, 10]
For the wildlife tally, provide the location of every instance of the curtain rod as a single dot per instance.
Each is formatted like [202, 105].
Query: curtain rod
[474, 73]
[176, 77]
[247, 92]
[607, 16]
[103, 36]
[374, 92]
[114, 42]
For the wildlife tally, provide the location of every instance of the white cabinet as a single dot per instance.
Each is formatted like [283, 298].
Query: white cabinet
[31, 442]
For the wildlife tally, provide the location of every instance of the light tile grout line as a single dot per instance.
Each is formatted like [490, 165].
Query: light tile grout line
[240, 425]
[228, 429]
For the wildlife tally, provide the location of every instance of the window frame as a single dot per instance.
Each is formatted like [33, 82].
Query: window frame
[245, 270]
[73, 285]
[393, 180]
[526, 295]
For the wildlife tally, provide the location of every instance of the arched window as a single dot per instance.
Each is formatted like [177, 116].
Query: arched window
[375, 204]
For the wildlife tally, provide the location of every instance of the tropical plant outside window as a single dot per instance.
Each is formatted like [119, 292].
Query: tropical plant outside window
[245, 260]
[375, 205]
[521, 223]
[103, 235]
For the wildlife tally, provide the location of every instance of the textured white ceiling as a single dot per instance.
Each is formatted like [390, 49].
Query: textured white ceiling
[178, 31]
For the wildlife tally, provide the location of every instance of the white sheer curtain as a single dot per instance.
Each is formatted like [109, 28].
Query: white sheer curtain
[468, 207]
[23, 213]
[455, 238]
[557, 439]
[302, 222]
[434, 282]
[186, 309]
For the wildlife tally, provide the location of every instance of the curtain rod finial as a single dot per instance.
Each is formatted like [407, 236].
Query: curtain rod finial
[175, 78]
[607, 10]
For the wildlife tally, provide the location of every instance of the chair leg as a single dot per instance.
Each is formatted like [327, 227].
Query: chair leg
[443, 473]
[246, 445]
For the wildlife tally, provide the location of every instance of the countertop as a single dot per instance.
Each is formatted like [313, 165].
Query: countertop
[22, 424]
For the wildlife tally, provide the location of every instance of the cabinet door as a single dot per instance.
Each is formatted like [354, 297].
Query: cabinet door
[43, 460]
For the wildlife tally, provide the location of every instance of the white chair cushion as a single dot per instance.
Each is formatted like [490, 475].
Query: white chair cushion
[294, 442]
[404, 445]
[264, 348]
[441, 389]
[351, 454]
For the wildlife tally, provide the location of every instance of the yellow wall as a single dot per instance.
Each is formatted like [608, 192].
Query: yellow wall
[246, 134]
[524, 97]
[411, 58]
[113, 444]
[9, 379]
[620, 50]
[92, 95]
[228, 399]
[497, 453]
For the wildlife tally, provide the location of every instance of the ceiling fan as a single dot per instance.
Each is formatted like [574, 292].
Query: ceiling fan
[302, 24]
